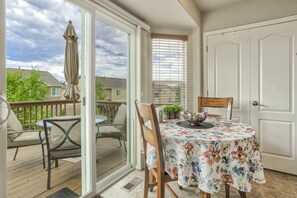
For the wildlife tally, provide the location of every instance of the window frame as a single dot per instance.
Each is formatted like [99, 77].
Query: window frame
[53, 92]
[170, 37]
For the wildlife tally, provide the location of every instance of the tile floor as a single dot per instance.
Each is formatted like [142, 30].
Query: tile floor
[278, 185]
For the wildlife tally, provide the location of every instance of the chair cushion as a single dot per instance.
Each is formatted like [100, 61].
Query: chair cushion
[13, 125]
[109, 130]
[120, 118]
[66, 153]
[26, 139]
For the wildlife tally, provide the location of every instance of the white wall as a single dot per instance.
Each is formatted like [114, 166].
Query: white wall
[146, 72]
[247, 12]
[2, 91]
[192, 10]
[197, 77]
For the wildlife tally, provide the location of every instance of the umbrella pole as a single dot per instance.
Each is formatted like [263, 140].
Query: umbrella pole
[74, 108]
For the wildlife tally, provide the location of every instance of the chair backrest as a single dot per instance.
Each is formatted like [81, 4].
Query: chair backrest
[65, 133]
[120, 119]
[216, 103]
[13, 125]
[151, 135]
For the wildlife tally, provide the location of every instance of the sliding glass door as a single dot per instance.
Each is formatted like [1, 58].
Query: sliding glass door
[112, 80]
[106, 45]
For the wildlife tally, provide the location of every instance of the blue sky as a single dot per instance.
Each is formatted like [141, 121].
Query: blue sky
[35, 38]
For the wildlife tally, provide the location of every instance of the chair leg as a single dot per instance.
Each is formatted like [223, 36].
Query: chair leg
[173, 194]
[151, 180]
[204, 194]
[146, 182]
[43, 157]
[160, 186]
[49, 173]
[125, 145]
[120, 141]
[227, 190]
[16, 152]
[56, 163]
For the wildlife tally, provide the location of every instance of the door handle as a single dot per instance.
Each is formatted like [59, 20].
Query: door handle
[255, 103]
[4, 110]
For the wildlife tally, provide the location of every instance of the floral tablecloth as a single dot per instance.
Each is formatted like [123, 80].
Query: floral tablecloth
[228, 152]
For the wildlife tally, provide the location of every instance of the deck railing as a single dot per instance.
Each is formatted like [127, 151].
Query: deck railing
[28, 113]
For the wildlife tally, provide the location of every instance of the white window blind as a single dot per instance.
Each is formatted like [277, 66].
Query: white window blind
[169, 71]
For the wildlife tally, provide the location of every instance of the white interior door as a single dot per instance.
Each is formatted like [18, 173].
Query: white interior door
[228, 70]
[273, 87]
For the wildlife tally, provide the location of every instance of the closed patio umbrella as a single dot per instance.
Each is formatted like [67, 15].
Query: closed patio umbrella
[71, 65]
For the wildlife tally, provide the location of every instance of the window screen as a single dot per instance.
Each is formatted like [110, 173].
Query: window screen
[169, 71]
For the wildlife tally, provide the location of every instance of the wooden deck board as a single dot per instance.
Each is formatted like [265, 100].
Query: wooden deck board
[27, 178]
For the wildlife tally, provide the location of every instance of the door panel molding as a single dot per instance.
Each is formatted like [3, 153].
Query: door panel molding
[271, 131]
[228, 71]
[224, 52]
[276, 50]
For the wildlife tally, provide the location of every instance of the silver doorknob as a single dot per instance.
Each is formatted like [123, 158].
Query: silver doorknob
[255, 103]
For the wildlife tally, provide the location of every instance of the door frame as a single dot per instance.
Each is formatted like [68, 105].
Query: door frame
[131, 31]
[117, 17]
[3, 136]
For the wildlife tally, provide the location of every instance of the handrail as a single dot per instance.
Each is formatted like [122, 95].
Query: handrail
[28, 113]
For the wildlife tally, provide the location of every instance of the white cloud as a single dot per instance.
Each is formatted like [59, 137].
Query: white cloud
[35, 38]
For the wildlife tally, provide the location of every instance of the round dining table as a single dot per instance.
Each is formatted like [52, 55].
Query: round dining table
[217, 152]
[98, 119]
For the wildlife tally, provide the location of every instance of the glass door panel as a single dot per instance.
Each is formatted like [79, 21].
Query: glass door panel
[35, 88]
[112, 94]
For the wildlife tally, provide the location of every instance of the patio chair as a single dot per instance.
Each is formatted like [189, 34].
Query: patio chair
[17, 137]
[64, 140]
[147, 112]
[216, 103]
[117, 128]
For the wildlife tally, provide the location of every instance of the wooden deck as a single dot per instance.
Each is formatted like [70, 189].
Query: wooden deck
[27, 178]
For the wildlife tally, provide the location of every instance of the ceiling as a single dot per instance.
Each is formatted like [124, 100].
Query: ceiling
[207, 5]
[159, 13]
[168, 13]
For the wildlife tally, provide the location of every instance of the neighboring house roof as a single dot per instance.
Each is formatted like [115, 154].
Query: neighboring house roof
[112, 82]
[47, 77]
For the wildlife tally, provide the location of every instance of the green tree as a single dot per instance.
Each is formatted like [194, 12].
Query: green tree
[100, 90]
[26, 88]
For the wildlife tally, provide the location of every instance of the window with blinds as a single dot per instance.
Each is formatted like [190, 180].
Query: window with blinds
[169, 70]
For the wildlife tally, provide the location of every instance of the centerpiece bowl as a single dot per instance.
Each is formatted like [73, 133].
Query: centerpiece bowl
[195, 118]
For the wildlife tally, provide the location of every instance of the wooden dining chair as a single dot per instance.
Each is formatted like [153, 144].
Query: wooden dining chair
[216, 103]
[152, 136]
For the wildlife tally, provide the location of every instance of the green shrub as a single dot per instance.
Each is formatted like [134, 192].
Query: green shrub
[172, 108]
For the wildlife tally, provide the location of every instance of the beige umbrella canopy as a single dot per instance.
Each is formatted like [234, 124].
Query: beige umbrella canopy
[71, 64]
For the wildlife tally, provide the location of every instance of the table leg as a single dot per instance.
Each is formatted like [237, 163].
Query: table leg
[227, 190]
[242, 194]
[204, 194]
